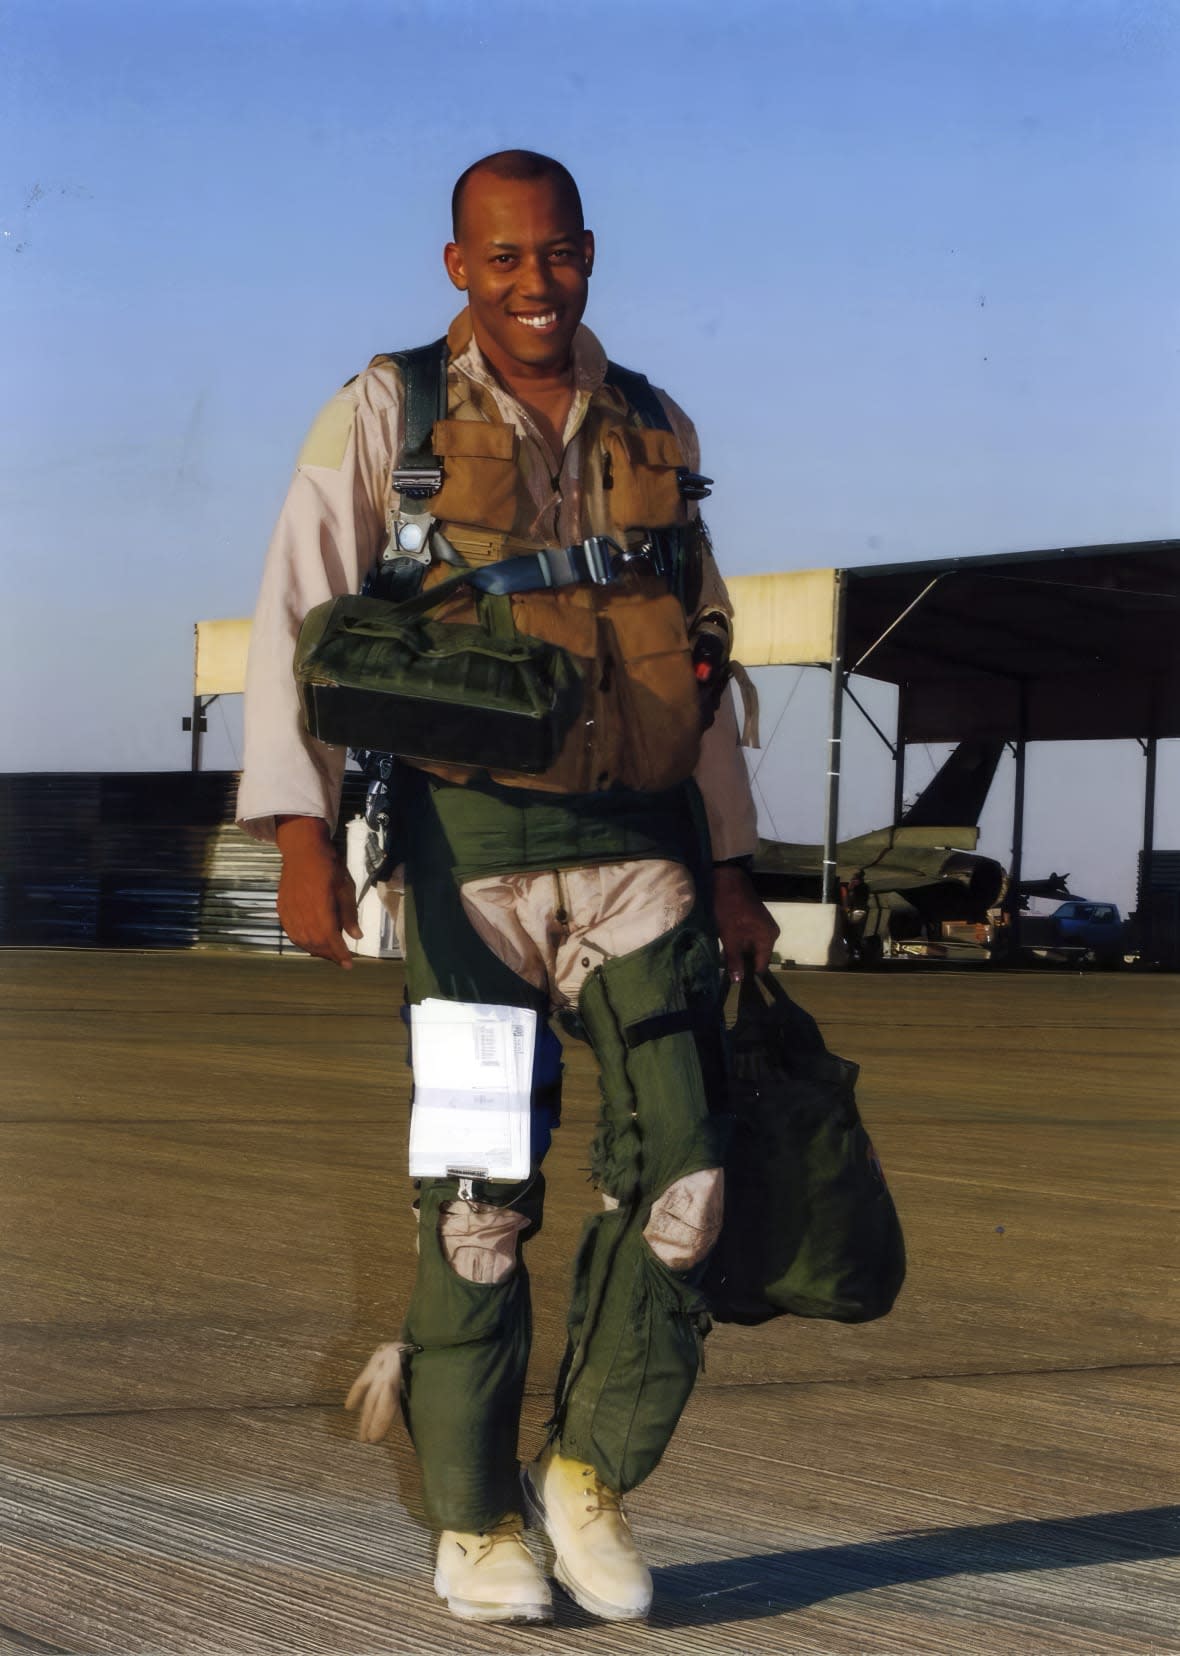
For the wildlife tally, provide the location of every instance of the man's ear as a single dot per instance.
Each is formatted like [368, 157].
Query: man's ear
[456, 269]
[587, 251]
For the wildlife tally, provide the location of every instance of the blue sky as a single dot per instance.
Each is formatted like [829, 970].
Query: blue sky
[912, 267]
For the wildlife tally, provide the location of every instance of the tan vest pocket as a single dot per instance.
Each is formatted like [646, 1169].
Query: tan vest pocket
[645, 491]
[479, 473]
[657, 699]
[570, 618]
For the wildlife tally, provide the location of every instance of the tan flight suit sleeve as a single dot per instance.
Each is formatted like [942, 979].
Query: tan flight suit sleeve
[720, 773]
[329, 534]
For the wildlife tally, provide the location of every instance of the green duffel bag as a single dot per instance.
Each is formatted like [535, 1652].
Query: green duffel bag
[810, 1227]
[378, 675]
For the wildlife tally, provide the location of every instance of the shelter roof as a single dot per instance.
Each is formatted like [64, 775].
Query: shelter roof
[1084, 639]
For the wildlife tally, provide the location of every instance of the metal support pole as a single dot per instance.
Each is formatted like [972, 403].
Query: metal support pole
[835, 726]
[1149, 753]
[198, 717]
[1149, 800]
[196, 724]
[926, 590]
[899, 758]
[1016, 871]
[868, 717]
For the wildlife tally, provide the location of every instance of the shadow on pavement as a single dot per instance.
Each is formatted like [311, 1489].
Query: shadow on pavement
[768, 1584]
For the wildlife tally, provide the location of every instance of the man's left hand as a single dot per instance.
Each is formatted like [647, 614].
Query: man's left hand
[747, 929]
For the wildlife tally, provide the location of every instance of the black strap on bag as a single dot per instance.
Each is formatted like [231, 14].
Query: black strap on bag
[810, 1227]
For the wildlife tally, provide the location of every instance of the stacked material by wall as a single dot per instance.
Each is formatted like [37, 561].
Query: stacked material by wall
[136, 860]
[1159, 909]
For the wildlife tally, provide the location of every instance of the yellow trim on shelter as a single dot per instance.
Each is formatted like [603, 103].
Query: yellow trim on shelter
[783, 620]
[219, 664]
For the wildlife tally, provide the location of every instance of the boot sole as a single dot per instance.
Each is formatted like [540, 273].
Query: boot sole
[473, 1610]
[535, 1509]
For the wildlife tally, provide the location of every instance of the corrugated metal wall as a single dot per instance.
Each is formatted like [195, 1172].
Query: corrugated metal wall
[136, 860]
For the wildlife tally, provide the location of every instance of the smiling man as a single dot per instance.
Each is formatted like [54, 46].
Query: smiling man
[523, 257]
[592, 888]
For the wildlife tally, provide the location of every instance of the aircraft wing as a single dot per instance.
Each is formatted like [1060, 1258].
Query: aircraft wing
[905, 861]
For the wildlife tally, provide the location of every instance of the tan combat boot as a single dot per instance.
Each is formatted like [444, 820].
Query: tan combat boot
[492, 1577]
[597, 1561]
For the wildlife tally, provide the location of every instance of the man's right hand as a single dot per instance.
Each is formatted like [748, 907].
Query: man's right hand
[317, 899]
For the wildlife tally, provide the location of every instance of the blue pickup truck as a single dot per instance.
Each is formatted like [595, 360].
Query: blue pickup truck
[1077, 930]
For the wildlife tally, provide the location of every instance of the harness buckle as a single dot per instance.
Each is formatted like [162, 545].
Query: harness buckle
[600, 564]
[592, 561]
[417, 482]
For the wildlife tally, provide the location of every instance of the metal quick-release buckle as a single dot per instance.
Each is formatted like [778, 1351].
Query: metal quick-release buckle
[597, 550]
[417, 482]
[563, 566]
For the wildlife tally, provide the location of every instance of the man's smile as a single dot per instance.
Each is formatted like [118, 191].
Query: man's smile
[541, 321]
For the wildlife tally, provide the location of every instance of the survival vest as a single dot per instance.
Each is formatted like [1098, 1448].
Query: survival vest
[479, 649]
[639, 724]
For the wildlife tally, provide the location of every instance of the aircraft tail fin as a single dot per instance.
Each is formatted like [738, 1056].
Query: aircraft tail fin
[956, 795]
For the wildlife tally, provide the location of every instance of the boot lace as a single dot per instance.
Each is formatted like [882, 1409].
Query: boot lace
[510, 1528]
[601, 1498]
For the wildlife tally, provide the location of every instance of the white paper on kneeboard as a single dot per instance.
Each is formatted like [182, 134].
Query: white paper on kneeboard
[473, 1066]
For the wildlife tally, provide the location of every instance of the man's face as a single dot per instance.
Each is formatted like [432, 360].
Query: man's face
[523, 260]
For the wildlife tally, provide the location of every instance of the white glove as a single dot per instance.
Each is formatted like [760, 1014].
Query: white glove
[376, 1391]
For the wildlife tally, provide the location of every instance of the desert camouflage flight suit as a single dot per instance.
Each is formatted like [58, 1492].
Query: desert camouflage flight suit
[593, 905]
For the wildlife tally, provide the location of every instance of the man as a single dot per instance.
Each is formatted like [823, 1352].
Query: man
[856, 911]
[585, 890]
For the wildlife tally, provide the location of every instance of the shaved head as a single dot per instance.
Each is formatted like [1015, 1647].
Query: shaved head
[522, 166]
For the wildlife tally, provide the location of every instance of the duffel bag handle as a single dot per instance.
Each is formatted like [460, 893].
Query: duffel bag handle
[763, 1000]
[760, 991]
[511, 647]
[430, 596]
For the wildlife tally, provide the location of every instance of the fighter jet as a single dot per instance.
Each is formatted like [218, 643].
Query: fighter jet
[922, 872]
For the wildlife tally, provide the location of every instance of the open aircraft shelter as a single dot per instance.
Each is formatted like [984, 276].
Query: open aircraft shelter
[1069, 644]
